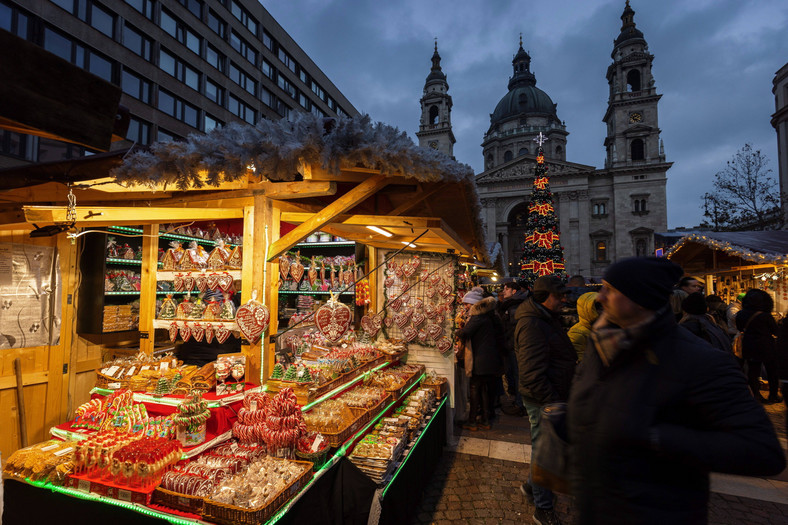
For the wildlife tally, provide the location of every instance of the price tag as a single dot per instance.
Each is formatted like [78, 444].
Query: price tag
[111, 371]
[131, 371]
[164, 365]
[63, 452]
[318, 441]
[253, 406]
[50, 447]
[113, 386]
[83, 485]
[125, 495]
[145, 367]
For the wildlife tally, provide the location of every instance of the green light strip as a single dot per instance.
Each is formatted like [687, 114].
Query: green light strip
[343, 386]
[121, 293]
[133, 262]
[372, 423]
[415, 444]
[143, 398]
[125, 229]
[135, 507]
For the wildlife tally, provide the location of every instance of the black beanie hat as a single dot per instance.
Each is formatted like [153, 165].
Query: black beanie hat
[647, 281]
[694, 304]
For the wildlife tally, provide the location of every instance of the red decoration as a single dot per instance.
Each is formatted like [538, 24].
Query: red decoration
[252, 319]
[542, 239]
[333, 320]
[541, 209]
[540, 183]
[540, 159]
[543, 267]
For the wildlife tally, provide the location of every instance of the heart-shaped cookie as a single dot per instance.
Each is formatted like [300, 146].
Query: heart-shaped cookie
[198, 332]
[396, 305]
[177, 282]
[188, 282]
[284, 266]
[222, 333]
[422, 335]
[435, 279]
[389, 282]
[333, 320]
[186, 332]
[368, 325]
[408, 270]
[431, 291]
[419, 318]
[400, 319]
[252, 319]
[209, 333]
[225, 282]
[388, 321]
[296, 271]
[415, 262]
[399, 272]
[418, 303]
[405, 298]
[444, 345]
[434, 331]
[424, 275]
[445, 290]
[202, 283]
[213, 281]
[173, 332]
[431, 310]
[409, 333]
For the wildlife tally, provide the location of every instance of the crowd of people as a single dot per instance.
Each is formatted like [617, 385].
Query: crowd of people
[662, 385]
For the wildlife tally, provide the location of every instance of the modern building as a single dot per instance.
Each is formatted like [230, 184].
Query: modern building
[184, 66]
[780, 123]
[604, 214]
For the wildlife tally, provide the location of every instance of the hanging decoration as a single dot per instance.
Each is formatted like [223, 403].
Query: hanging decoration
[333, 319]
[252, 318]
[542, 251]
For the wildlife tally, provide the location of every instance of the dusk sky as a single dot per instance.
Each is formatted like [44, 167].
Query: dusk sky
[714, 65]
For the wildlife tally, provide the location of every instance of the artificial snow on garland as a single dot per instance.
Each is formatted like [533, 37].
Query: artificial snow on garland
[277, 148]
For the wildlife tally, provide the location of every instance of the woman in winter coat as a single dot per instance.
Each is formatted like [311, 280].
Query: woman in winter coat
[758, 344]
[484, 332]
[588, 313]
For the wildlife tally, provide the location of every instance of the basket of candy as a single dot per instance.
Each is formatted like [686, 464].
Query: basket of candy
[335, 420]
[313, 447]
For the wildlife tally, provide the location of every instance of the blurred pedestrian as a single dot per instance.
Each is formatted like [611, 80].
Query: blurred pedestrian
[759, 331]
[511, 297]
[653, 410]
[700, 323]
[588, 312]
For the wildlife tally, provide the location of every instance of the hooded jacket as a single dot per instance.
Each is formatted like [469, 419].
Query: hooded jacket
[646, 430]
[545, 356]
[587, 312]
[507, 311]
[758, 341]
[486, 334]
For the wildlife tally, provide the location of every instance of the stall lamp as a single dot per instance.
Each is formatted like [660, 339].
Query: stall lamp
[774, 277]
[409, 244]
[763, 278]
[381, 231]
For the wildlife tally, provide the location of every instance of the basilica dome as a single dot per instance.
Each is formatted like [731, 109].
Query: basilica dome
[522, 101]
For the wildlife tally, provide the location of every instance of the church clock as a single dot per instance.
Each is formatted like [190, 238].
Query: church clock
[635, 117]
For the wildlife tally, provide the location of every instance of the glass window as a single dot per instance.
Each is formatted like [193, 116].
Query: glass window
[6, 17]
[167, 62]
[267, 69]
[303, 76]
[215, 58]
[316, 111]
[68, 5]
[165, 136]
[139, 131]
[210, 123]
[317, 90]
[303, 101]
[601, 251]
[268, 41]
[267, 98]
[246, 19]
[100, 66]
[138, 43]
[194, 7]
[102, 20]
[166, 103]
[190, 115]
[57, 44]
[191, 78]
[143, 6]
[243, 47]
[13, 144]
[216, 24]
[214, 92]
[287, 60]
[286, 86]
[168, 23]
[135, 86]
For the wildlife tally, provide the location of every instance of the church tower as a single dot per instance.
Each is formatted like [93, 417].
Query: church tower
[631, 117]
[435, 127]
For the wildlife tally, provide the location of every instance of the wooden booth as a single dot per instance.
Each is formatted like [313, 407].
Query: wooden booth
[410, 216]
[731, 263]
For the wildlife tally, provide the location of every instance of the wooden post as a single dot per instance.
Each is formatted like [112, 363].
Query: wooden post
[20, 401]
[373, 279]
[150, 266]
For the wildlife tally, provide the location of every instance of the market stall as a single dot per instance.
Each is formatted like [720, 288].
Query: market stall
[731, 263]
[358, 375]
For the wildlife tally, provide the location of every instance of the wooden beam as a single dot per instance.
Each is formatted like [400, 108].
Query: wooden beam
[245, 197]
[447, 234]
[34, 378]
[108, 185]
[327, 214]
[369, 220]
[108, 216]
[150, 265]
[418, 197]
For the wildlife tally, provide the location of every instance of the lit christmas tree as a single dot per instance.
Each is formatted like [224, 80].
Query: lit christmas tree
[542, 251]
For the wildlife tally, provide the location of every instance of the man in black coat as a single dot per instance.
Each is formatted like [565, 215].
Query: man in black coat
[511, 297]
[654, 409]
[546, 361]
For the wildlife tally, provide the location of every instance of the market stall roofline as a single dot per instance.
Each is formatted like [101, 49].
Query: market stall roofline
[770, 246]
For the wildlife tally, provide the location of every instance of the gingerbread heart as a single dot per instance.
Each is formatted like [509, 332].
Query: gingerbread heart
[444, 345]
[392, 265]
[409, 333]
[423, 335]
[434, 331]
[401, 319]
[186, 332]
[445, 290]
[431, 311]
[202, 283]
[198, 332]
[252, 319]
[399, 272]
[188, 282]
[284, 266]
[311, 275]
[297, 271]
[209, 333]
[408, 270]
[389, 282]
[222, 333]
[213, 281]
[333, 320]
[177, 283]
[368, 325]
[431, 291]
[405, 298]
[396, 305]
[435, 279]
[419, 318]
[388, 321]
[173, 332]
[418, 303]
[415, 262]
[424, 275]
[225, 282]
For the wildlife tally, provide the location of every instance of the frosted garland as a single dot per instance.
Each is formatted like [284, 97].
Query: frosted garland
[730, 249]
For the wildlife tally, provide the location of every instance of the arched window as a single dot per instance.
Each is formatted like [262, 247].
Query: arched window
[434, 115]
[523, 151]
[558, 151]
[633, 80]
[600, 208]
[601, 251]
[637, 149]
[489, 162]
[507, 156]
[642, 204]
[640, 248]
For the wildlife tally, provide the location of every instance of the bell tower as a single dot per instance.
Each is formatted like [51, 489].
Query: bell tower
[631, 116]
[435, 125]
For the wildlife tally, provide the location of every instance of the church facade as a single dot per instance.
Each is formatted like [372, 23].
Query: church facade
[605, 214]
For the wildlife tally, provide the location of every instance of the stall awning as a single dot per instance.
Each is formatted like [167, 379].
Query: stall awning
[714, 251]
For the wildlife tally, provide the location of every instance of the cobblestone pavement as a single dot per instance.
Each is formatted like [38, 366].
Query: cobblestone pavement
[475, 489]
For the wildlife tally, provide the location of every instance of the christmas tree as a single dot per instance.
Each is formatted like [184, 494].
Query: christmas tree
[542, 252]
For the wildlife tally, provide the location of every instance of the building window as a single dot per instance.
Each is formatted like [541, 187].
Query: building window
[135, 86]
[559, 151]
[507, 156]
[241, 109]
[317, 90]
[215, 58]
[194, 7]
[102, 20]
[600, 251]
[143, 6]
[243, 47]
[50, 150]
[210, 123]
[489, 163]
[303, 101]
[434, 112]
[217, 25]
[599, 209]
[244, 17]
[267, 98]
[282, 109]
[175, 107]
[165, 136]
[523, 151]
[267, 69]
[180, 31]
[58, 44]
[286, 86]
[287, 60]
[316, 111]
[178, 68]
[139, 131]
[633, 80]
[242, 79]
[640, 248]
[214, 92]
[267, 41]
[637, 149]
[639, 206]
[135, 41]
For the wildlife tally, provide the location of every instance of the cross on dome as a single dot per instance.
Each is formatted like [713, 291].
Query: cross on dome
[540, 139]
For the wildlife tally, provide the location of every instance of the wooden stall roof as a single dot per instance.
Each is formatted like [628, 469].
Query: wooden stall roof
[719, 251]
[316, 173]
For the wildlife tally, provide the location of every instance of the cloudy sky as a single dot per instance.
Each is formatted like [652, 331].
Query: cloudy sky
[714, 65]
